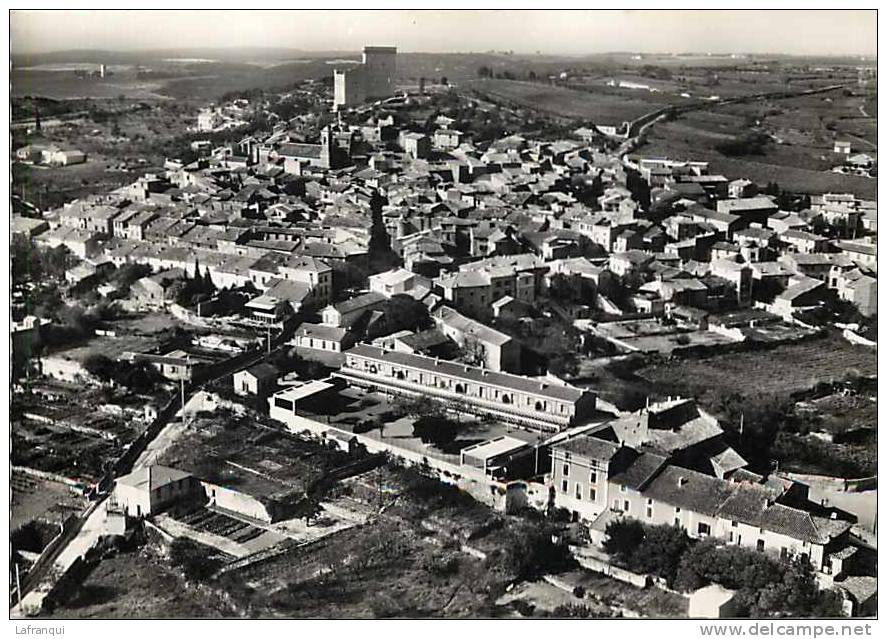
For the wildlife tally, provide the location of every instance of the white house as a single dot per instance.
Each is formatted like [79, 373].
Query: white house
[256, 380]
[149, 490]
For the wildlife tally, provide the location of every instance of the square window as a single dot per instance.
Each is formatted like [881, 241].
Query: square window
[626, 505]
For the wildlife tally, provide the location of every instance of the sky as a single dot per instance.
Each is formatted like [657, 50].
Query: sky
[550, 32]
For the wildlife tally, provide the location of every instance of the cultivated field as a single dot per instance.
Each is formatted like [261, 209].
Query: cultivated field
[799, 153]
[598, 107]
[34, 498]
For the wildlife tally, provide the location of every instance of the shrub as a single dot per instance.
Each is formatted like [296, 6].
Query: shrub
[572, 611]
[365, 426]
[525, 608]
[440, 565]
[195, 560]
[655, 550]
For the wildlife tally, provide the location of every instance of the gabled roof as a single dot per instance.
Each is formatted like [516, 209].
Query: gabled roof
[640, 471]
[152, 477]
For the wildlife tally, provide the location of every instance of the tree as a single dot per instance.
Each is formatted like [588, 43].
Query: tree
[380, 253]
[100, 366]
[403, 312]
[436, 430]
[624, 536]
[129, 274]
[473, 352]
[484, 72]
[640, 190]
[573, 289]
[767, 587]
[308, 508]
[418, 406]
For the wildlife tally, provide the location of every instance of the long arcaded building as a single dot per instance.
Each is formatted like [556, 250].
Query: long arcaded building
[519, 400]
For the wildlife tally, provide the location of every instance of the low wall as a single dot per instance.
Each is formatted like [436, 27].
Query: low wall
[599, 565]
[855, 338]
[40, 474]
[496, 495]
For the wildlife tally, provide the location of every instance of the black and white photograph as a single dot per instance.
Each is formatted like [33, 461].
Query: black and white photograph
[431, 314]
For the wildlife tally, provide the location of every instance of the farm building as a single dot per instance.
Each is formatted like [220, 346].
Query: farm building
[149, 490]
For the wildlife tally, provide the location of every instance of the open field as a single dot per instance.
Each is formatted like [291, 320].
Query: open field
[841, 416]
[138, 585]
[67, 85]
[781, 370]
[598, 107]
[799, 153]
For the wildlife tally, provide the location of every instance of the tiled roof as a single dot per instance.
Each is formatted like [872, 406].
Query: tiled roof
[471, 373]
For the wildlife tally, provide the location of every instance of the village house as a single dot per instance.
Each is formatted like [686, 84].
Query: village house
[149, 490]
[594, 477]
[859, 289]
[495, 350]
[321, 337]
[346, 314]
[397, 281]
[259, 379]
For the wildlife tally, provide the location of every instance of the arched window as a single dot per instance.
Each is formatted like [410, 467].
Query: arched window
[540, 406]
[400, 375]
[373, 369]
[460, 389]
[506, 399]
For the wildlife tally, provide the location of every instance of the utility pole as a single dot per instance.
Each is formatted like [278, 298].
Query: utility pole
[182, 391]
[268, 338]
[18, 586]
[379, 487]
